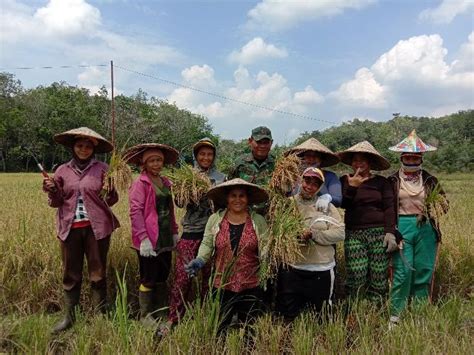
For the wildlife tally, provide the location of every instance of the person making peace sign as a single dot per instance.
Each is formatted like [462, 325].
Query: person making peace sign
[370, 222]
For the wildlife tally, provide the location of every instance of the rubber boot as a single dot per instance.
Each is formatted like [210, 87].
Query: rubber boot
[71, 300]
[160, 299]
[145, 299]
[99, 299]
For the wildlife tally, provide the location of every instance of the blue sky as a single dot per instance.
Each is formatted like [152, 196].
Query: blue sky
[331, 60]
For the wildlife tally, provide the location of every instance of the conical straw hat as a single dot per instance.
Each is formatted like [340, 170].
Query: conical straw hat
[412, 144]
[377, 161]
[255, 193]
[68, 138]
[135, 153]
[328, 157]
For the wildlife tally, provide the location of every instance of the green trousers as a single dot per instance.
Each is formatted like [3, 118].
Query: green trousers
[412, 274]
[366, 263]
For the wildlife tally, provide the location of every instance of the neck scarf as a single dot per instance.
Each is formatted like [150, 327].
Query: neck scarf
[411, 182]
[79, 164]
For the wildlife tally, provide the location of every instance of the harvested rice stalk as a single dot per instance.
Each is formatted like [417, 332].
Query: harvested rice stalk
[189, 185]
[286, 225]
[435, 204]
[119, 175]
[286, 174]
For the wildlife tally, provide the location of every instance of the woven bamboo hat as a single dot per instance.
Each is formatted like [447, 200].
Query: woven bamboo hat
[412, 144]
[328, 157]
[134, 154]
[377, 161]
[68, 138]
[255, 193]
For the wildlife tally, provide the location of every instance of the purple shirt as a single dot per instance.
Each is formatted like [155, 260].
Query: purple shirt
[70, 183]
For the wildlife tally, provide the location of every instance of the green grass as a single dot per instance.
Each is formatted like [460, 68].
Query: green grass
[31, 296]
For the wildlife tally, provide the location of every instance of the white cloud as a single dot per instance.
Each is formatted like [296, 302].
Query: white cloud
[260, 90]
[68, 17]
[256, 50]
[199, 75]
[363, 90]
[465, 61]
[414, 75]
[308, 96]
[447, 11]
[279, 15]
[71, 31]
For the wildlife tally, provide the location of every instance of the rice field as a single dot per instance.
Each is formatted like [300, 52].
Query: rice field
[31, 296]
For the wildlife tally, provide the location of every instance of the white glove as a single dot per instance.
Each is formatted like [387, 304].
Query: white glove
[175, 239]
[390, 242]
[146, 249]
[322, 204]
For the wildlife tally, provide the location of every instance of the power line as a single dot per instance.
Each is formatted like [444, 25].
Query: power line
[288, 113]
[57, 67]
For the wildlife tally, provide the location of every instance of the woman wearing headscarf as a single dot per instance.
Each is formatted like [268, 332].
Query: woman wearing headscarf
[420, 201]
[84, 220]
[315, 154]
[310, 281]
[234, 240]
[370, 221]
[154, 228]
[194, 223]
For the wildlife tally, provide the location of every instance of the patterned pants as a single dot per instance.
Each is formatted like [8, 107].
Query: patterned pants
[186, 250]
[366, 263]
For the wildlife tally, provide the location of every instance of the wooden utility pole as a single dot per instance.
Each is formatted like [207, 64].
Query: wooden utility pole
[113, 101]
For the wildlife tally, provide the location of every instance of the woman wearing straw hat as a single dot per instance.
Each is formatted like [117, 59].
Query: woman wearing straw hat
[314, 154]
[419, 201]
[84, 219]
[235, 236]
[193, 222]
[154, 228]
[370, 221]
[310, 281]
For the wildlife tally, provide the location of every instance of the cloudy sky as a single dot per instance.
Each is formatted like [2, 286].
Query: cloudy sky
[324, 61]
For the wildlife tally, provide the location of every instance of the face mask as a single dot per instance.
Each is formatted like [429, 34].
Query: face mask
[411, 168]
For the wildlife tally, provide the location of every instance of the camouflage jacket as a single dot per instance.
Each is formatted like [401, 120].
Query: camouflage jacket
[248, 169]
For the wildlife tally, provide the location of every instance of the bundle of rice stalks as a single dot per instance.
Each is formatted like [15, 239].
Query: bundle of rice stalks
[189, 185]
[436, 204]
[286, 225]
[119, 176]
[286, 174]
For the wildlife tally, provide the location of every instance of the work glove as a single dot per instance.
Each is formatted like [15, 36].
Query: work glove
[193, 267]
[390, 242]
[146, 249]
[322, 204]
[175, 240]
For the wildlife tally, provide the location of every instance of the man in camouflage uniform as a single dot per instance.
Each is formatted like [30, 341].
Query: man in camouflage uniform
[256, 167]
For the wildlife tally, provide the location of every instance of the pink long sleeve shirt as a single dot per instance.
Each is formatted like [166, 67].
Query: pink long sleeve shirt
[143, 215]
[70, 183]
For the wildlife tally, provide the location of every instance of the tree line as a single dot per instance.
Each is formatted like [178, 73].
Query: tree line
[30, 117]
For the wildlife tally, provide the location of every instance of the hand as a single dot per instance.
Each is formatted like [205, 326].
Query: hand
[356, 180]
[175, 239]
[322, 204]
[390, 242]
[307, 235]
[49, 185]
[146, 249]
[194, 266]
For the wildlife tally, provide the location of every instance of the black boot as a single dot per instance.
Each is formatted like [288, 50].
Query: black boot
[160, 299]
[145, 299]
[99, 299]
[71, 300]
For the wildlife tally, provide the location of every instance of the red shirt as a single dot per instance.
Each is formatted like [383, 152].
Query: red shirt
[241, 270]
